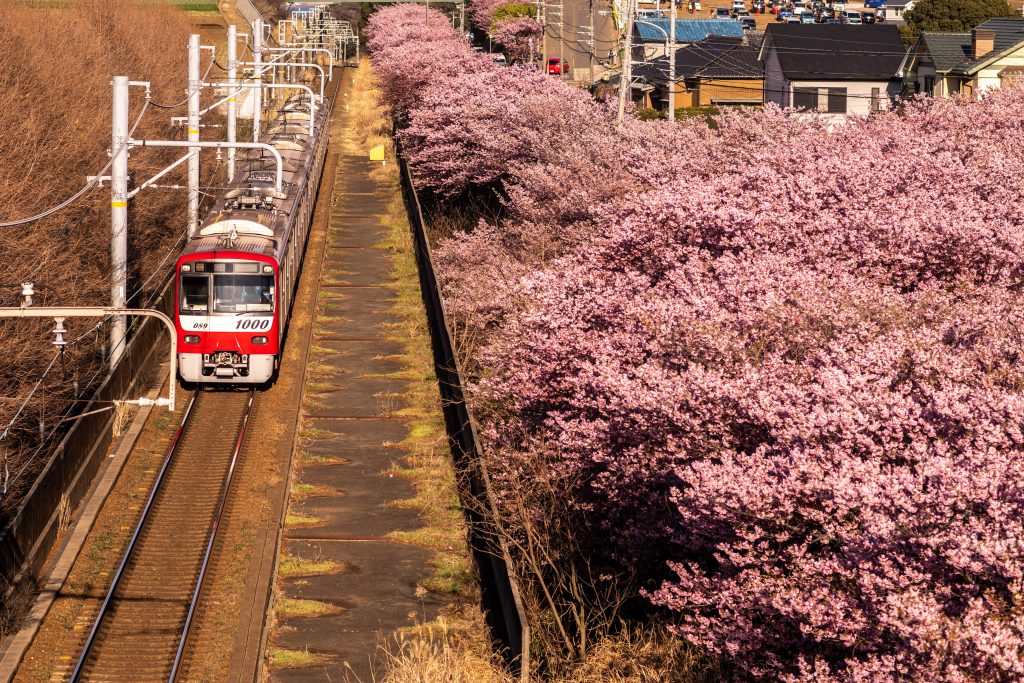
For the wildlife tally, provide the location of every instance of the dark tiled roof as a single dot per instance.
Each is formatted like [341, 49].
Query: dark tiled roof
[836, 52]
[1009, 31]
[717, 57]
[693, 58]
[947, 49]
[740, 62]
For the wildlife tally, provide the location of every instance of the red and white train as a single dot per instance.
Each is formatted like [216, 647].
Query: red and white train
[235, 282]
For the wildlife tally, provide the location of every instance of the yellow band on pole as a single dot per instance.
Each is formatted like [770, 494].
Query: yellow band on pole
[119, 205]
[193, 131]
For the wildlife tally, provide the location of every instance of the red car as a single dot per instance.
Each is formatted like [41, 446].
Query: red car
[556, 67]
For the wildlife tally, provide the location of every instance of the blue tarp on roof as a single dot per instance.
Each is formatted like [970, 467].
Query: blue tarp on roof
[687, 30]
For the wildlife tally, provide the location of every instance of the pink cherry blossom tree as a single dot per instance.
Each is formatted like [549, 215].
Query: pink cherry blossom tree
[776, 367]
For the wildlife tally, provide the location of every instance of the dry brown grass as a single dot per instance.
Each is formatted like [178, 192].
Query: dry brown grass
[643, 655]
[55, 72]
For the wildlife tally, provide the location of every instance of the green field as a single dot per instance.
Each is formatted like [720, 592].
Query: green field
[187, 5]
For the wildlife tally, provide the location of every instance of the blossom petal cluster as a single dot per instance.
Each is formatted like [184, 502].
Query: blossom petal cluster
[777, 365]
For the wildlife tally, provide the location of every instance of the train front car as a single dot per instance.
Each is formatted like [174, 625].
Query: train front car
[228, 327]
[236, 278]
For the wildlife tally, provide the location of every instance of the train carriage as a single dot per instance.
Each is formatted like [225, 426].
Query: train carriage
[235, 281]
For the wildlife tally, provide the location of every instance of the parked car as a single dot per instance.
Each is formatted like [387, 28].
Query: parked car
[738, 5]
[556, 67]
[806, 17]
[874, 4]
[785, 14]
[851, 17]
[499, 59]
[740, 13]
[722, 13]
[832, 21]
[757, 7]
[867, 17]
[748, 23]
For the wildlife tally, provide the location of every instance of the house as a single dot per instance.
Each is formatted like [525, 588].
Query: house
[832, 69]
[931, 59]
[997, 51]
[716, 71]
[893, 10]
[650, 34]
[942, 64]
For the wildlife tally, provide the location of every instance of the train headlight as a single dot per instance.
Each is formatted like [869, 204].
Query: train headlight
[268, 269]
[186, 268]
[259, 340]
[191, 338]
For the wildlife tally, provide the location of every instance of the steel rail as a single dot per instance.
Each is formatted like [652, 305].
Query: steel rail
[87, 649]
[210, 541]
[218, 514]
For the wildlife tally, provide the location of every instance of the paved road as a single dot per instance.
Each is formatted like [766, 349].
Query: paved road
[568, 34]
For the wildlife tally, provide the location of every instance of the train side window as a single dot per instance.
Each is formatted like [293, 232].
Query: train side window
[195, 293]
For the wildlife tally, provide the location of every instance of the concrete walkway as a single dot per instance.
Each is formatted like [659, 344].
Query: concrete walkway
[350, 406]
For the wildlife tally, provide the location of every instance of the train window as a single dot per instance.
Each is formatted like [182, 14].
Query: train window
[195, 293]
[243, 293]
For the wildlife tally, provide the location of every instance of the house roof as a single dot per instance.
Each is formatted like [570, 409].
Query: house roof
[1009, 36]
[716, 57]
[687, 30]
[1009, 31]
[835, 52]
[947, 49]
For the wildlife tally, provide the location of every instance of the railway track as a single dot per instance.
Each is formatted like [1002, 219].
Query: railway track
[141, 631]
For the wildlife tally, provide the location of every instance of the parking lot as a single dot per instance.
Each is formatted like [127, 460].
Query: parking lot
[708, 8]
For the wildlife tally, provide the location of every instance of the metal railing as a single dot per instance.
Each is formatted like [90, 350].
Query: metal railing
[499, 590]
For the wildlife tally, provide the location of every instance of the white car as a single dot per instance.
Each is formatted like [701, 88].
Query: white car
[851, 18]
[738, 5]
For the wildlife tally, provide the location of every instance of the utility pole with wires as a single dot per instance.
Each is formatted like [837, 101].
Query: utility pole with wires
[561, 39]
[257, 51]
[119, 217]
[671, 60]
[232, 105]
[627, 60]
[194, 87]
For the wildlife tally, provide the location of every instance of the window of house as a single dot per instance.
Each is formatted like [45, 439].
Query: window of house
[876, 99]
[929, 85]
[805, 98]
[837, 100]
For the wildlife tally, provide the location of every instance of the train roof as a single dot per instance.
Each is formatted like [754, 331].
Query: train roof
[250, 215]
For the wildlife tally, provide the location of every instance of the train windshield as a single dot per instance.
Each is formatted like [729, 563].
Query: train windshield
[243, 293]
[195, 294]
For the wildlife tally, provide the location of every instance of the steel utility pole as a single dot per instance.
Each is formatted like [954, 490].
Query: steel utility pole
[593, 43]
[118, 216]
[232, 106]
[672, 60]
[257, 51]
[561, 38]
[627, 62]
[194, 86]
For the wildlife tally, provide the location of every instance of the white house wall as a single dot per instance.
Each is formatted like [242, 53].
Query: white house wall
[858, 93]
[775, 87]
[988, 78]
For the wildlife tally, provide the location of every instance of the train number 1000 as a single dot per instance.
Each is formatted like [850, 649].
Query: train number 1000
[254, 324]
